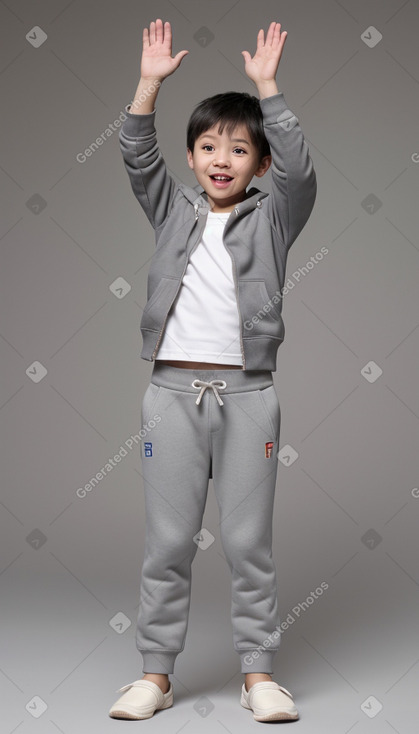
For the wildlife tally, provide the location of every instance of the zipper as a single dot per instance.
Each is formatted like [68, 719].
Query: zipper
[237, 300]
[178, 288]
[153, 356]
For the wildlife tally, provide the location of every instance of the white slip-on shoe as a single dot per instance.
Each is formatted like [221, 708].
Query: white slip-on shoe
[269, 701]
[140, 700]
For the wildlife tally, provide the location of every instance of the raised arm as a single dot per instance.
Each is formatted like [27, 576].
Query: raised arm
[294, 184]
[150, 181]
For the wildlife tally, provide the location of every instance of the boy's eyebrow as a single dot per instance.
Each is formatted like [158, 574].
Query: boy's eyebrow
[233, 140]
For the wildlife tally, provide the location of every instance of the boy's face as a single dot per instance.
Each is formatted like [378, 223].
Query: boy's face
[236, 157]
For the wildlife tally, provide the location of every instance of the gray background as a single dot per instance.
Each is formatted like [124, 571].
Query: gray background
[346, 509]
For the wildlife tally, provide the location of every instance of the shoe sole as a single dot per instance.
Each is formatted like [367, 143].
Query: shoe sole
[132, 715]
[272, 715]
[126, 715]
[278, 716]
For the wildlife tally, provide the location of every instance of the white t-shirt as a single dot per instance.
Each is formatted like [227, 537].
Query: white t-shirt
[203, 324]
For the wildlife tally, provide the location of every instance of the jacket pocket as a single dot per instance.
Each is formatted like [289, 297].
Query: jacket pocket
[159, 303]
[261, 316]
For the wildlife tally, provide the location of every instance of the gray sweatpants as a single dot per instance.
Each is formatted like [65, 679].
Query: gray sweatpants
[228, 432]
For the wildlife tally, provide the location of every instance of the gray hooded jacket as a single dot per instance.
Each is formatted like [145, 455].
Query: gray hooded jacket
[258, 233]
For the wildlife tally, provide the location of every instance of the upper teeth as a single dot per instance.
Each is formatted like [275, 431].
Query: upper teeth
[222, 178]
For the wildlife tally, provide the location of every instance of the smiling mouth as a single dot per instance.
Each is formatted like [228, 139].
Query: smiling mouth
[221, 177]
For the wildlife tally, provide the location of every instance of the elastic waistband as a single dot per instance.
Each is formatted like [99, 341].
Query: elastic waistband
[179, 378]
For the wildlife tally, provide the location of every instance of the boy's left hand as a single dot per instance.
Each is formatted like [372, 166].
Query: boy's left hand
[264, 64]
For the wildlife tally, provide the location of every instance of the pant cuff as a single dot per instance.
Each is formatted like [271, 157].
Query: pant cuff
[257, 661]
[157, 661]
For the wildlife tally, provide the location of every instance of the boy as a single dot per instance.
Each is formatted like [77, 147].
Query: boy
[212, 324]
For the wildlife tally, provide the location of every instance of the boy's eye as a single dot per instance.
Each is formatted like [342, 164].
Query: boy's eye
[208, 145]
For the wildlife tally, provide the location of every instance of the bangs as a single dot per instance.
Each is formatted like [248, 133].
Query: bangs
[229, 110]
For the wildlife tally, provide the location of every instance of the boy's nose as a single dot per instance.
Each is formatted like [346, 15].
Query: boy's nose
[222, 162]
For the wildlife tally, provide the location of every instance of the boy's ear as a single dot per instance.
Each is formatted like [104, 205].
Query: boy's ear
[263, 165]
[189, 157]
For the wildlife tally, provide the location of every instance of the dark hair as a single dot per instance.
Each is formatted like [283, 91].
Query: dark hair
[230, 109]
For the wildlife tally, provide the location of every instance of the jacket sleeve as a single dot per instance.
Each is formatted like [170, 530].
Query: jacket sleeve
[150, 181]
[294, 183]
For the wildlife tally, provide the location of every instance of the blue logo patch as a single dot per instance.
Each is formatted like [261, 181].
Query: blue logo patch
[148, 448]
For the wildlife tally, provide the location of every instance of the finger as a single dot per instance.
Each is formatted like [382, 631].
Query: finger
[270, 34]
[261, 38]
[279, 45]
[181, 55]
[277, 33]
[152, 32]
[167, 40]
[146, 40]
[159, 30]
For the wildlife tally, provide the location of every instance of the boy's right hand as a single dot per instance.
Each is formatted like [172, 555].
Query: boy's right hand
[156, 60]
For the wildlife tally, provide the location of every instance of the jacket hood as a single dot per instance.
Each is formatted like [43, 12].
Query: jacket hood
[199, 198]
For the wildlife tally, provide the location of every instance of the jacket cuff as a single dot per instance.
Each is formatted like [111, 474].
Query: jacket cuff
[137, 125]
[272, 107]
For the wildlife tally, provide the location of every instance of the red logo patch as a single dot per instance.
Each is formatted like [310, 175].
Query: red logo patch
[268, 449]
